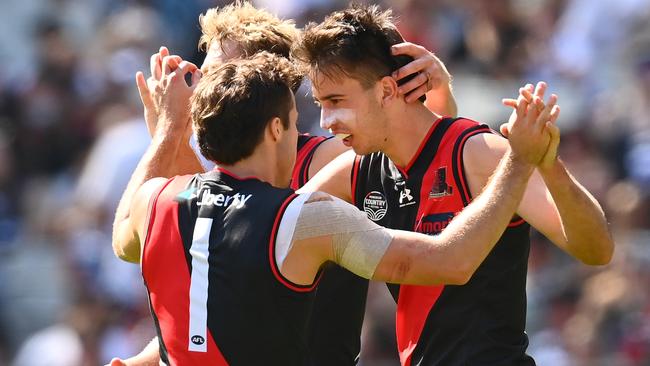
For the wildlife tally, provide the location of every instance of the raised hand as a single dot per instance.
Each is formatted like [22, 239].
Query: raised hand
[531, 132]
[432, 72]
[547, 114]
[171, 94]
[146, 87]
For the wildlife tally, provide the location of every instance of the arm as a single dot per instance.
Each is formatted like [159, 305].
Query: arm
[554, 202]
[454, 255]
[329, 229]
[340, 233]
[156, 162]
[186, 162]
[434, 79]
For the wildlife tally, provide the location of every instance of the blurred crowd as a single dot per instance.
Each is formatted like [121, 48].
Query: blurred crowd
[71, 132]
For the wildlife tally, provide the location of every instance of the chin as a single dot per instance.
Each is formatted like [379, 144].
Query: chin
[361, 150]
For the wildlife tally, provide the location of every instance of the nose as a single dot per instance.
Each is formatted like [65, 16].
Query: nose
[326, 119]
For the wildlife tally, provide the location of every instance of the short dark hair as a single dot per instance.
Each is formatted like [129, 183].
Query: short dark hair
[354, 42]
[233, 103]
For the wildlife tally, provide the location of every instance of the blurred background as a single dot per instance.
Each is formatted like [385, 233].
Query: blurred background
[71, 132]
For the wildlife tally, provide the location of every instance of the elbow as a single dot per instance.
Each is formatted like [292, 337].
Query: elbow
[601, 254]
[122, 254]
[460, 274]
[602, 257]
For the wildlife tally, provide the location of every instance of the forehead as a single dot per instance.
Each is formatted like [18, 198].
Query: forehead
[324, 85]
[220, 52]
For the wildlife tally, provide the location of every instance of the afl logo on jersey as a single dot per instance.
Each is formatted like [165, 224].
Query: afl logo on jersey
[375, 205]
[198, 340]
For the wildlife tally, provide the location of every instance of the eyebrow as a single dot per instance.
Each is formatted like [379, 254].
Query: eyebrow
[328, 97]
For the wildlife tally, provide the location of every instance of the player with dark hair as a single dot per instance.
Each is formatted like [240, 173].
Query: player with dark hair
[416, 170]
[230, 258]
[240, 30]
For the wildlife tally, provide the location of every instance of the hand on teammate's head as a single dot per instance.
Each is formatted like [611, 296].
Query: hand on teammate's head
[432, 72]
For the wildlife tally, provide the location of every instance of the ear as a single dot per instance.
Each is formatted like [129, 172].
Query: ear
[275, 128]
[388, 87]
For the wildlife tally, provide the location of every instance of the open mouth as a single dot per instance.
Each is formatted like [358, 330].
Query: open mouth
[342, 136]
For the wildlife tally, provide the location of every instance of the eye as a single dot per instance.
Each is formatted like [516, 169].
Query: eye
[317, 103]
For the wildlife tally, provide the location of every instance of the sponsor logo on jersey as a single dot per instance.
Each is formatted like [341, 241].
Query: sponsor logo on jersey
[187, 194]
[375, 206]
[223, 200]
[197, 339]
[440, 187]
[405, 196]
[435, 223]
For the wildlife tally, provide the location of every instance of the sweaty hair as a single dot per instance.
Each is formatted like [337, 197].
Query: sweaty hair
[252, 30]
[354, 42]
[233, 103]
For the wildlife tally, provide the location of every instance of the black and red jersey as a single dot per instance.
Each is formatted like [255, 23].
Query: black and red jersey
[307, 146]
[334, 329]
[480, 323]
[215, 290]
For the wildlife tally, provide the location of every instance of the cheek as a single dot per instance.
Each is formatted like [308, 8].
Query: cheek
[343, 115]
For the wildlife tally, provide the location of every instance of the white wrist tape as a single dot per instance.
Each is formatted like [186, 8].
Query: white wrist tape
[358, 243]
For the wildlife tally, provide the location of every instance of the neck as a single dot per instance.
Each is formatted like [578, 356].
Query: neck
[407, 130]
[258, 165]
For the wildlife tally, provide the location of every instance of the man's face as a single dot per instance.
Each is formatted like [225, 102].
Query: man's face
[219, 53]
[351, 112]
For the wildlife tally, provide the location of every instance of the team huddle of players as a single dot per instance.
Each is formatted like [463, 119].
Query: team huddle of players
[251, 248]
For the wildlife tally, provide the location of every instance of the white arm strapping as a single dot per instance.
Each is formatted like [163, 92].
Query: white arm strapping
[358, 243]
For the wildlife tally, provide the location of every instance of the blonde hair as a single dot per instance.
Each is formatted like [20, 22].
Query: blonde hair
[252, 30]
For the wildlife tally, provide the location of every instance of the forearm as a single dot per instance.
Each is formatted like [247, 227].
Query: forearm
[584, 225]
[187, 161]
[156, 162]
[470, 237]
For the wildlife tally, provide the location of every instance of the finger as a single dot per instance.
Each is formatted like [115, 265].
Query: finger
[504, 130]
[415, 94]
[527, 94]
[408, 48]
[509, 102]
[554, 143]
[170, 63]
[522, 105]
[534, 110]
[544, 116]
[183, 68]
[143, 89]
[540, 89]
[555, 113]
[412, 67]
[196, 77]
[154, 65]
[411, 85]
[117, 362]
[162, 53]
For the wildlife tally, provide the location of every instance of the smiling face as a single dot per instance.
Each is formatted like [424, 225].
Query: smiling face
[351, 112]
